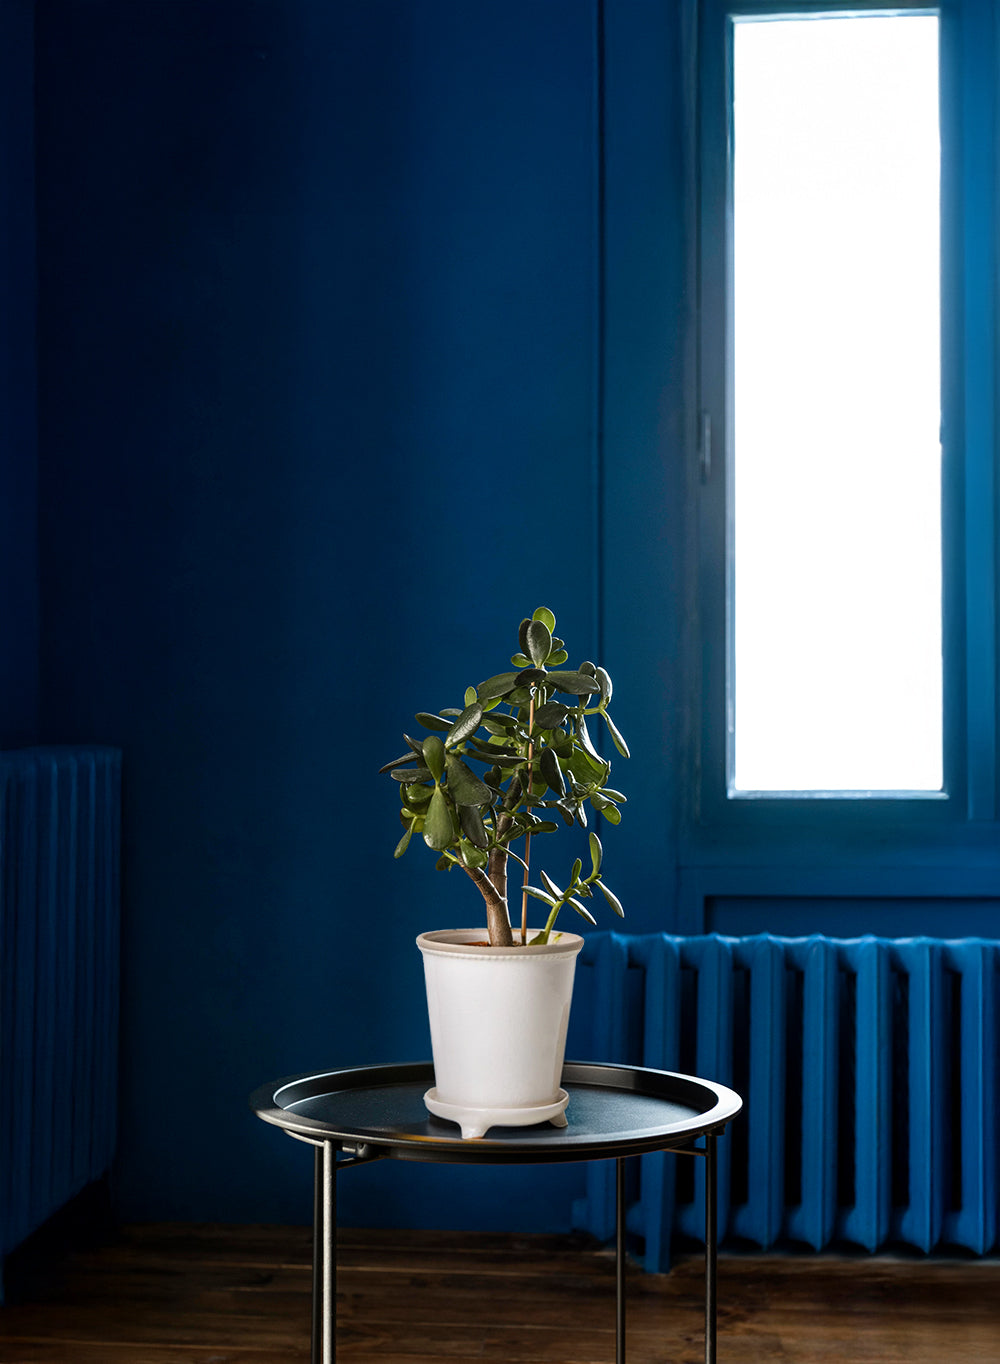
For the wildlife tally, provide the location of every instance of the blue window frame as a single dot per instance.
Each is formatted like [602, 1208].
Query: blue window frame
[958, 829]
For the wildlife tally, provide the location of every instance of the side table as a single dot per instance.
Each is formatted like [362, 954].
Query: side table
[353, 1117]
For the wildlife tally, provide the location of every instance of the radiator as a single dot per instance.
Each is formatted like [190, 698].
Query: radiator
[59, 901]
[868, 1069]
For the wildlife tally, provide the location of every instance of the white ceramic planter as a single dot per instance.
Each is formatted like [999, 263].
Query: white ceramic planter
[498, 1019]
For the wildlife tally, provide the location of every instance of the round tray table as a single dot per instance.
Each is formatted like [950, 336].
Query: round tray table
[353, 1117]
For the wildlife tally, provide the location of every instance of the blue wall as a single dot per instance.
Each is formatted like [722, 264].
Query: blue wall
[362, 329]
[18, 503]
[319, 322]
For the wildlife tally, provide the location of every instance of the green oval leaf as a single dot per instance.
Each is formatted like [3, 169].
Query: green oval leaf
[539, 639]
[470, 695]
[612, 899]
[521, 661]
[612, 814]
[522, 635]
[439, 832]
[596, 854]
[472, 824]
[464, 785]
[498, 748]
[616, 737]
[574, 683]
[404, 842]
[411, 774]
[499, 723]
[471, 855]
[550, 885]
[582, 910]
[496, 687]
[548, 765]
[541, 895]
[418, 796]
[586, 743]
[467, 723]
[575, 873]
[489, 749]
[434, 756]
[430, 721]
[604, 679]
[397, 762]
[551, 715]
[543, 614]
[556, 657]
[587, 667]
[504, 760]
[587, 769]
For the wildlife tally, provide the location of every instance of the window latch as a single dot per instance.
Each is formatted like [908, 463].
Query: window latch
[705, 448]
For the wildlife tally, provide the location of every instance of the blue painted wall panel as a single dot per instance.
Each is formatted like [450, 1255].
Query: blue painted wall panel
[649, 393]
[931, 916]
[18, 496]
[316, 326]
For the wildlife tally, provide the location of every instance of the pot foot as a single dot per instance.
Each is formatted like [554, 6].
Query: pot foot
[476, 1122]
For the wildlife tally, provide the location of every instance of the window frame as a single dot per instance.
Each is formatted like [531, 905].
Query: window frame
[867, 828]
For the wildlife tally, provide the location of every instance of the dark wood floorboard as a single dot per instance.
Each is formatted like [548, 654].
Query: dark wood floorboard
[240, 1295]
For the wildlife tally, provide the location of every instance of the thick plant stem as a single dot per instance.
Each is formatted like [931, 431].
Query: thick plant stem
[497, 918]
[498, 925]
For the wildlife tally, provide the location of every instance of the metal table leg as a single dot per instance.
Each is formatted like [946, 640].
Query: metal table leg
[620, 1262]
[324, 1296]
[711, 1234]
[317, 1285]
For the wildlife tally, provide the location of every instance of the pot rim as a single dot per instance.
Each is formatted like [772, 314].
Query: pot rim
[467, 942]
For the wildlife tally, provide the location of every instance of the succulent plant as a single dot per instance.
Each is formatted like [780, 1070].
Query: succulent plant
[526, 729]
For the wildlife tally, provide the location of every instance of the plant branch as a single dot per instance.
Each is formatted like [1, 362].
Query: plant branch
[497, 919]
[527, 836]
[510, 800]
[497, 871]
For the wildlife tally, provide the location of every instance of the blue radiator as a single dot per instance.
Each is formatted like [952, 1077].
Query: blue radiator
[59, 927]
[870, 1071]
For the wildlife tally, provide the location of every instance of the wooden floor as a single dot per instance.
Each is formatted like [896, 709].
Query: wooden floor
[240, 1295]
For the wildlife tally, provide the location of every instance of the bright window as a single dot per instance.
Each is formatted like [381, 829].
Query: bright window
[835, 629]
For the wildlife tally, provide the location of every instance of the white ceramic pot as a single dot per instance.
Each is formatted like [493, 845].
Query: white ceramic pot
[498, 1019]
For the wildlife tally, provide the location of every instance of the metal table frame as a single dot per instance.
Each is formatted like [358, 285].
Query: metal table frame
[337, 1150]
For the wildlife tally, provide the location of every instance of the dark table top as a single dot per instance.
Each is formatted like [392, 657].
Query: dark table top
[613, 1111]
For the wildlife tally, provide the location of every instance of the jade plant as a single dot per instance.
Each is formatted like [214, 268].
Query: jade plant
[526, 731]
